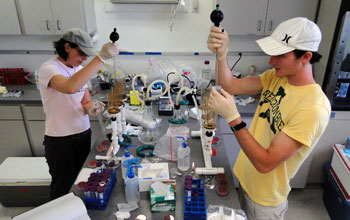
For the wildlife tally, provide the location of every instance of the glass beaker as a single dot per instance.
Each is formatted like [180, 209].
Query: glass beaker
[150, 134]
[208, 116]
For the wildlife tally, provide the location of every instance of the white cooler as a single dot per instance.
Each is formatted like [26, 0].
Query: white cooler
[24, 181]
[340, 169]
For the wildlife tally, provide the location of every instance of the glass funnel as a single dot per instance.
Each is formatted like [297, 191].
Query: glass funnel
[208, 116]
[114, 101]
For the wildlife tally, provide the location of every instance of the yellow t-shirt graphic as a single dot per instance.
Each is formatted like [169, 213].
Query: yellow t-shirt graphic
[302, 113]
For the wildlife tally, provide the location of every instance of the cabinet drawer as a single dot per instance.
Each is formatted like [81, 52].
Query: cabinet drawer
[10, 112]
[34, 112]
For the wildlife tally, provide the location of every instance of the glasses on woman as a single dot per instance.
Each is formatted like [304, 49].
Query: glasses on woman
[81, 53]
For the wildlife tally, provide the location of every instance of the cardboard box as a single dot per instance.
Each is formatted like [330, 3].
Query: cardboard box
[336, 204]
[24, 181]
[341, 166]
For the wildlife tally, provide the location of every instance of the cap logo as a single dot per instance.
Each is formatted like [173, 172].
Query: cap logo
[286, 38]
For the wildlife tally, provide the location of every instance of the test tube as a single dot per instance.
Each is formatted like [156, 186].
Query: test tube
[87, 191]
[111, 165]
[102, 184]
[93, 192]
[188, 189]
[98, 164]
[99, 193]
[91, 179]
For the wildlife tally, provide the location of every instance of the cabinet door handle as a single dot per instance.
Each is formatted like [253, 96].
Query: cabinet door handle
[58, 25]
[258, 27]
[270, 25]
[47, 25]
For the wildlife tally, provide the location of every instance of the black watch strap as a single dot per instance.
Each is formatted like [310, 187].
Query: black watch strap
[239, 126]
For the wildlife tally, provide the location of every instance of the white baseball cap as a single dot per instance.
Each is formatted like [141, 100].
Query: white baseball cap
[296, 33]
[80, 38]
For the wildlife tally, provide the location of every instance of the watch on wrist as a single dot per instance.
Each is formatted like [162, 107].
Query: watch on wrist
[239, 126]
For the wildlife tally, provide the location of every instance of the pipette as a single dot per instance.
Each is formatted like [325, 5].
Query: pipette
[114, 36]
[216, 17]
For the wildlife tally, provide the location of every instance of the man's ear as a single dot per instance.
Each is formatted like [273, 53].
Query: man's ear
[307, 57]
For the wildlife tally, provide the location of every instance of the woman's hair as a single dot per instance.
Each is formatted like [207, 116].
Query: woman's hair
[315, 56]
[61, 51]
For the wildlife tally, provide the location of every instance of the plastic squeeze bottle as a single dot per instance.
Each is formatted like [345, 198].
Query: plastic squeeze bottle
[183, 156]
[127, 156]
[132, 190]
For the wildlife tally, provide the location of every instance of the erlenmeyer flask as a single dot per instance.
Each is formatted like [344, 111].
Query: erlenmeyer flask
[149, 134]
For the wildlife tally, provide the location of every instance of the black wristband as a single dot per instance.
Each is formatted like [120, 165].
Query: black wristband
[239, 126]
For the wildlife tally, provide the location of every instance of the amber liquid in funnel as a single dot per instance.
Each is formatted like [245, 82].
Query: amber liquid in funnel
[208, 116]
[116, 97]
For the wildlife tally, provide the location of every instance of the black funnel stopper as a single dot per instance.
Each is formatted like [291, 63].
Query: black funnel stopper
[216, 16]
[114, 36]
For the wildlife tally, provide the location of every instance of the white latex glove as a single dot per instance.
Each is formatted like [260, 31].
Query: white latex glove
[108, 51]
[217, 42]
[96, 108]
[223, 105]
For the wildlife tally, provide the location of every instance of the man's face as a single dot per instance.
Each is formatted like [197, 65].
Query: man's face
[286, 64]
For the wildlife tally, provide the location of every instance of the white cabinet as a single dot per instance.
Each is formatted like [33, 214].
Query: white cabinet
[47, 17]
[9, 19]
[260, 17]
[13, 136]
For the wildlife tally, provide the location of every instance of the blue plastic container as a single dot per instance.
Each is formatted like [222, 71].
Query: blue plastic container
[195, 207]
[336, 204]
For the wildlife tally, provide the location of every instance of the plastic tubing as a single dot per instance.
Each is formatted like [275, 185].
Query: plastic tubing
[186, 89]
[133, 86]
[181, 85]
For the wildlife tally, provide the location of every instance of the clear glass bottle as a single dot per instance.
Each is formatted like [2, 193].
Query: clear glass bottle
[150, 134]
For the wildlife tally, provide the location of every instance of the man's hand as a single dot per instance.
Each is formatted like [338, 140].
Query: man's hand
[96, 108]
[218, 41]
[223, 105]
[108, 51]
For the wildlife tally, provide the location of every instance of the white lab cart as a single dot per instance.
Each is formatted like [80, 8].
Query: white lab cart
[24, 181]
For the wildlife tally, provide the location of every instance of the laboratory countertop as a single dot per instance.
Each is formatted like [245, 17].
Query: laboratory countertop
[31, 95]
[212, 198]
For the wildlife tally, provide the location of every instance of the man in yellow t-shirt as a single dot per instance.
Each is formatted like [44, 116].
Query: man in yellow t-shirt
[292, 114]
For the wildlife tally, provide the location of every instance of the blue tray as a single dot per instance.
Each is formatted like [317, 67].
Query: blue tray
[195, 207]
